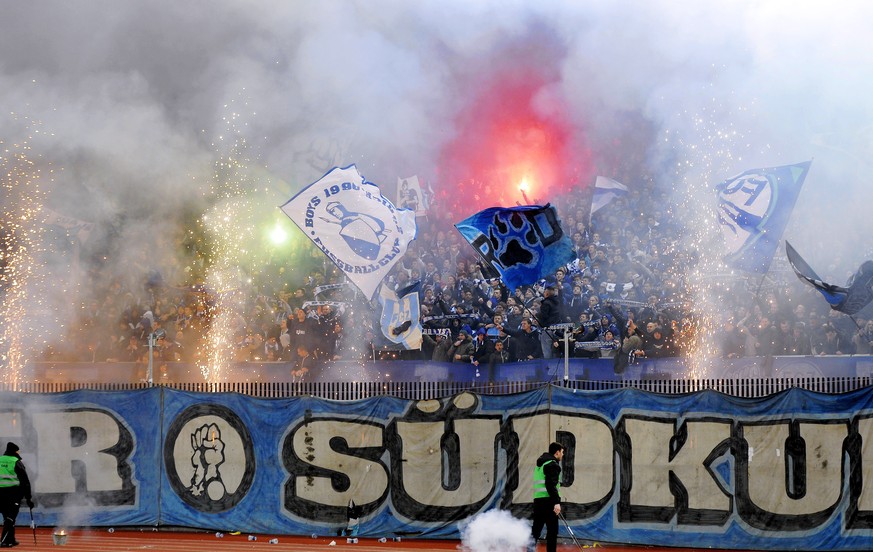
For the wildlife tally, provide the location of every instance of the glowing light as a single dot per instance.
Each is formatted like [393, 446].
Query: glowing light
[503, 136]
[278, 235]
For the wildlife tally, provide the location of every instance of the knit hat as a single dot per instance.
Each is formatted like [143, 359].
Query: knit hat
[632, 343]
[11, 449]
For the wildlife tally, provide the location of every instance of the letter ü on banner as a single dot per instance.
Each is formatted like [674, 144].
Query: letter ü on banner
[358, 229]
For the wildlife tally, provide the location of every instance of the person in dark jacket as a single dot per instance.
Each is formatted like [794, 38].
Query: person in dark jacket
[441, 345]
[547, 495]
[549, 315]
[14, 486]
[525, 342]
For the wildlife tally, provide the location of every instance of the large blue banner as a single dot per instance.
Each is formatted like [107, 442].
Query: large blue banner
[701, 470]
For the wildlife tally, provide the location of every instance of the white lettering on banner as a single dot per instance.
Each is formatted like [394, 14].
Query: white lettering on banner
[10, 425]
[80, 441]
[363, 480]
[865, 498]
[669, 474]
[797, 467]
[588, 469]
[676, 478]
[462, 477]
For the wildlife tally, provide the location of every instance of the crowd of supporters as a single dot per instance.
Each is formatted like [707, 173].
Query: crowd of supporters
[626, 297]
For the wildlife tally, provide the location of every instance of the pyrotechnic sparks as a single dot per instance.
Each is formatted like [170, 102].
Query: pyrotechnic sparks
[232, 231]
[712, 152]
[19, 264]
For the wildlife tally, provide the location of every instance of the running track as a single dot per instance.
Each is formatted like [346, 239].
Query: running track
[175, 541]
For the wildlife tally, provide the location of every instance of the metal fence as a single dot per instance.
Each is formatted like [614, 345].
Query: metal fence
[419, 390]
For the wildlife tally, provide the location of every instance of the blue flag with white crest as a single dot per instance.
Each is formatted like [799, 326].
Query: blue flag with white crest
[753, 210]
[524, 244]
[401, 316]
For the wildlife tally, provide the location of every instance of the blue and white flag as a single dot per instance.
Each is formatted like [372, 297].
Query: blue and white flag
[753, 210]
[524, 244]
[401, 317]
[605, 190]
[857, 294]
[357, 228]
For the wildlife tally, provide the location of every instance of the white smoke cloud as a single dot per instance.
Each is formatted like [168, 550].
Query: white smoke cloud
[495, 531]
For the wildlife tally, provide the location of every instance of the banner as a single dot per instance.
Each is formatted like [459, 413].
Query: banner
[411, 196]
[400, 320]
[753, 210]
[697, 470]
[354, 225]
[524, 244]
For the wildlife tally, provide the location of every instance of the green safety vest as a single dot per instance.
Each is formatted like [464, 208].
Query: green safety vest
[8, 477]
[539, 484]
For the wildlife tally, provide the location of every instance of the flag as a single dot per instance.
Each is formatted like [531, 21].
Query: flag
[753, 210]
[411, 196]
[401, 316]
[605, 190]
[354, 225]
[524, 244]
[74, 227]
[857, 294]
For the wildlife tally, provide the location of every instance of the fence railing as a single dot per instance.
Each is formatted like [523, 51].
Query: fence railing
[420, 390]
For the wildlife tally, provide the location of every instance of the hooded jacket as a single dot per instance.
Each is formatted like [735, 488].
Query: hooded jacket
[552, 471]
[12, 460]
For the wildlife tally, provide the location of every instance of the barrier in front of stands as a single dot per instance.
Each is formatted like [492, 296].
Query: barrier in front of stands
[784, 472]
[747, 377]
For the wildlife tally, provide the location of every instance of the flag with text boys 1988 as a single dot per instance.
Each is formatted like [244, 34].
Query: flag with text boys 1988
[753, 210]
[523, 243]
[354, 225]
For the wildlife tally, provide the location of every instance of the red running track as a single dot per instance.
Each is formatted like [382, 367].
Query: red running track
[179, 541]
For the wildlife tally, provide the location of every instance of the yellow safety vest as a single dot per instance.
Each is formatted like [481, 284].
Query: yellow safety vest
[539, 483]
[8, 477]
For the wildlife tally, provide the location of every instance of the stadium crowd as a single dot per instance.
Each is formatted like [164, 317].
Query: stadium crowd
[626, 297]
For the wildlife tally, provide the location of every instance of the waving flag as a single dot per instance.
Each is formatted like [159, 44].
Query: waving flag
[857, 294]
[524, 244]
[753, 210]
[354, 225]
[605, 190]
[401, 317]
[75, 227]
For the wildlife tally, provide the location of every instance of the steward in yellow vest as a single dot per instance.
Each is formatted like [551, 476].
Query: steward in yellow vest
[14, 486]
[547, 495]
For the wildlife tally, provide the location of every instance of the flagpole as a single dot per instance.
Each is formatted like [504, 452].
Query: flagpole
[566, 358]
